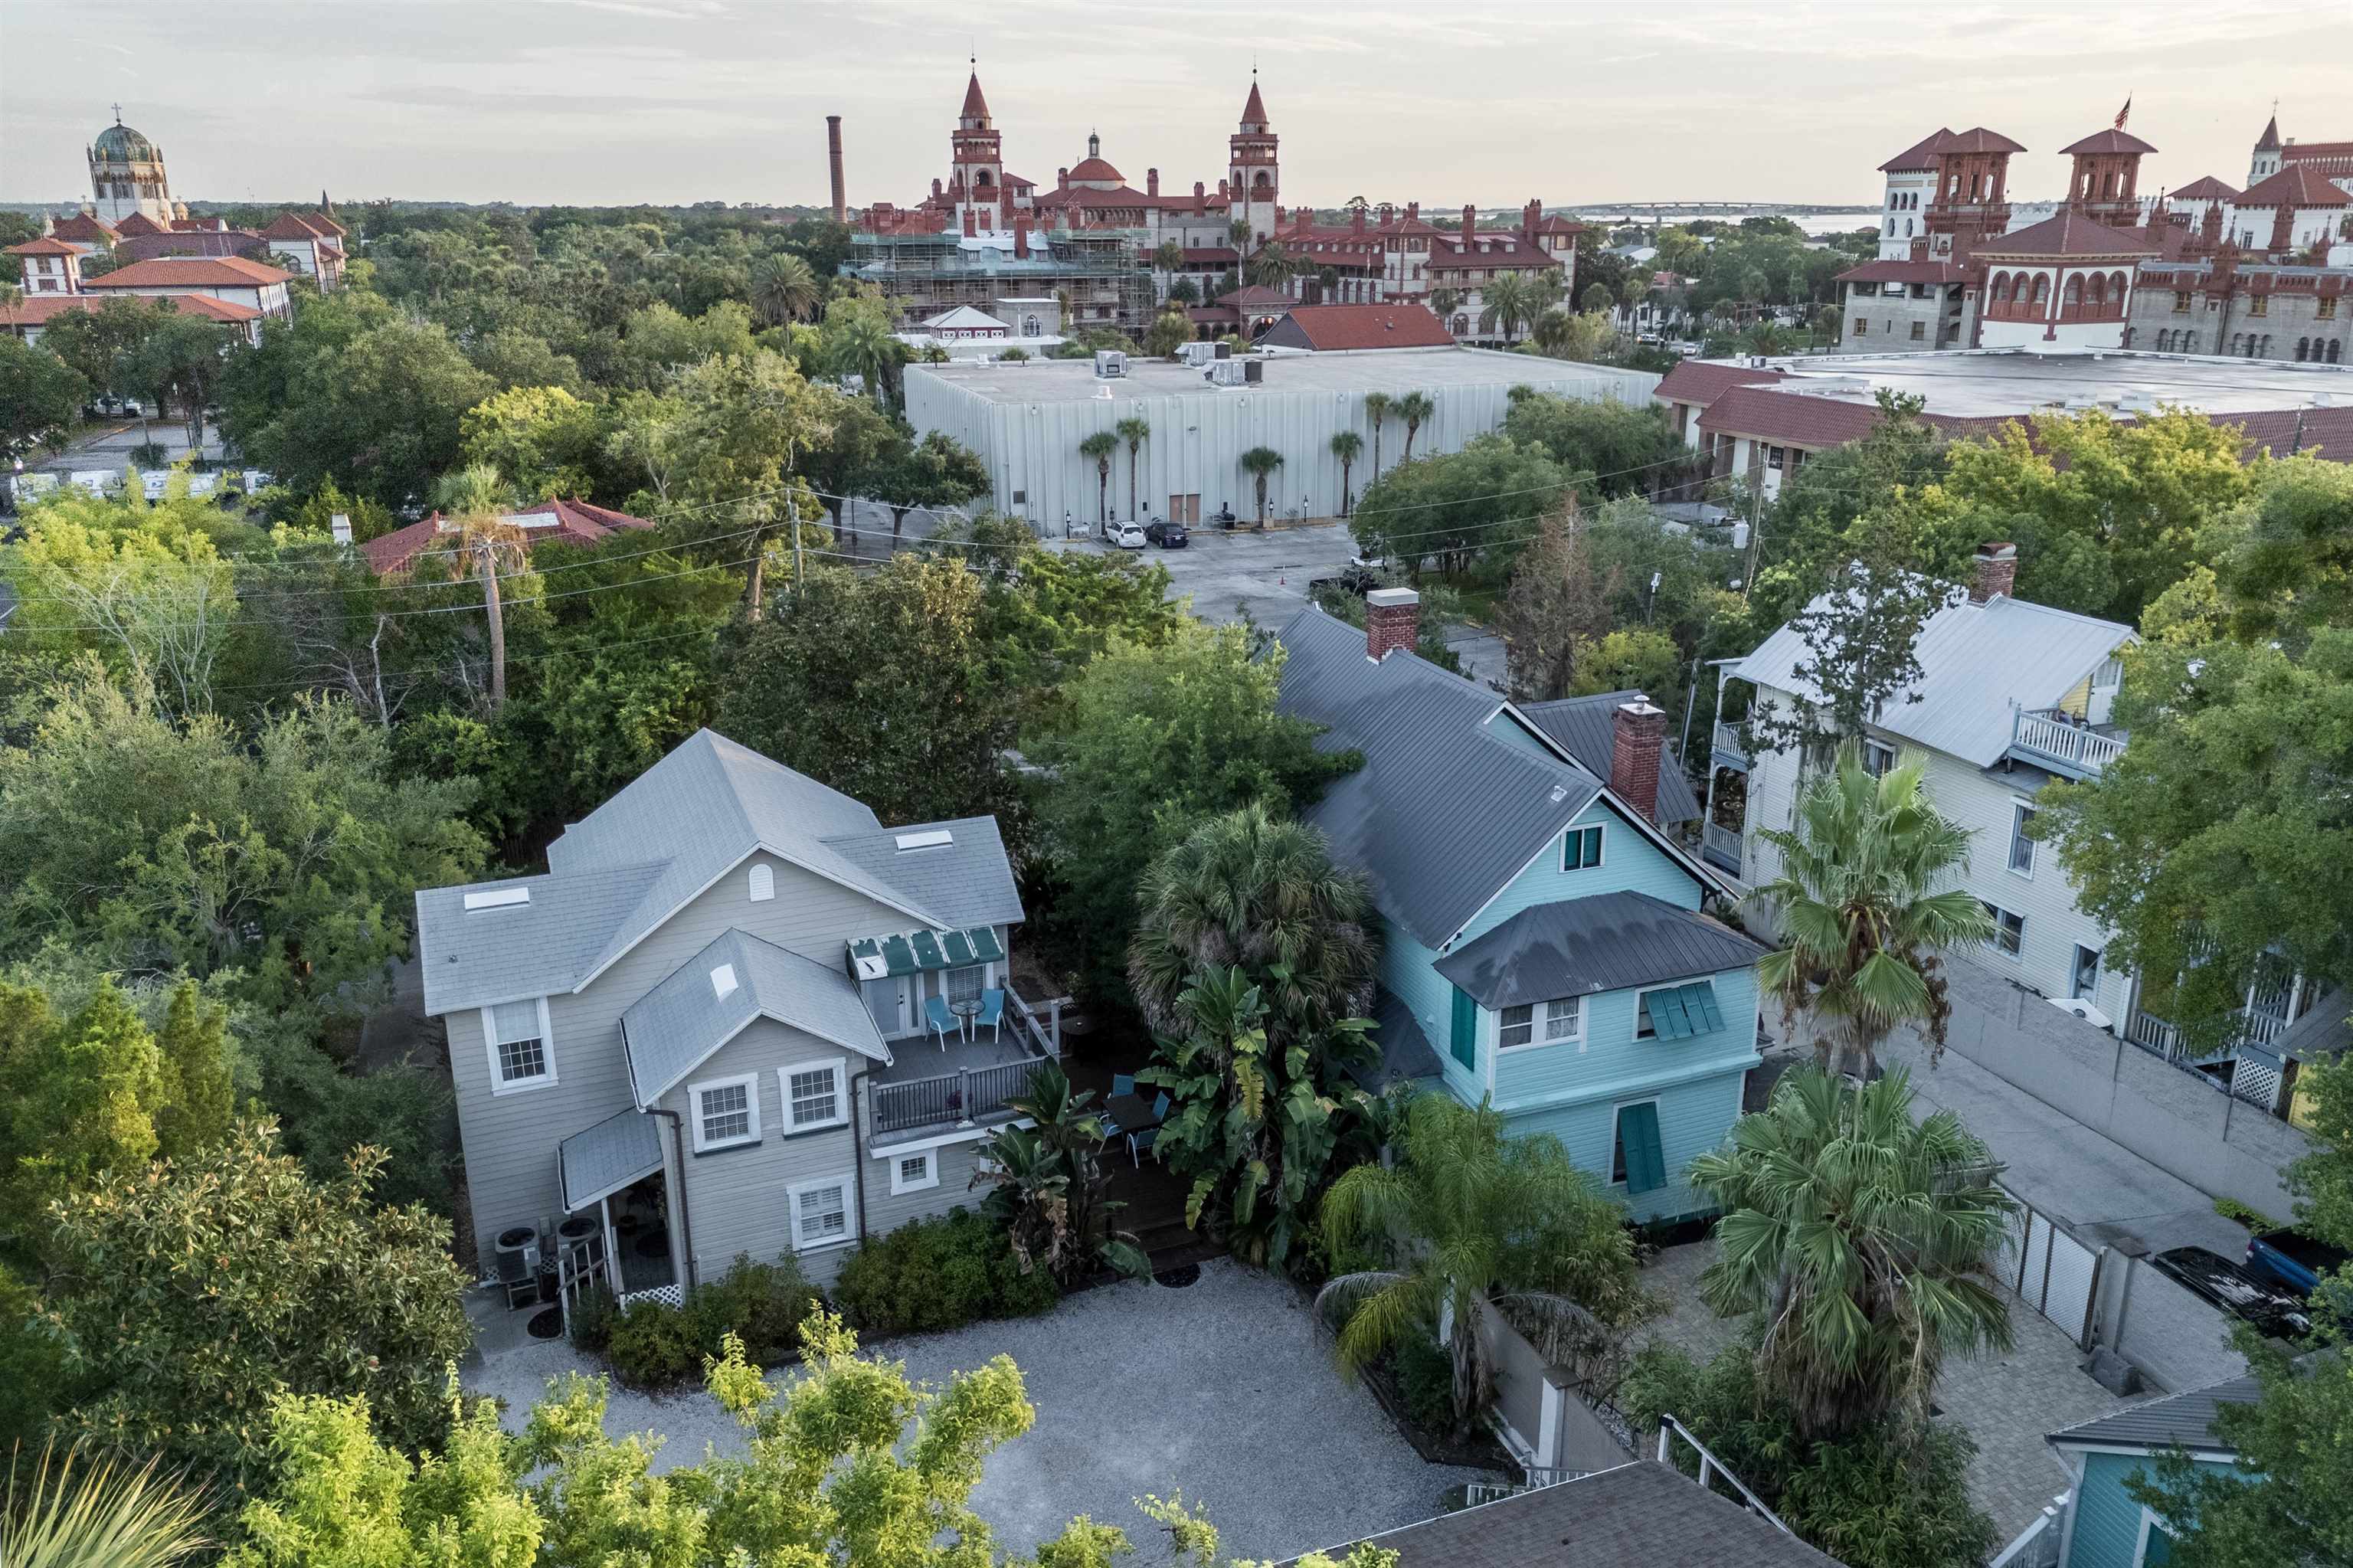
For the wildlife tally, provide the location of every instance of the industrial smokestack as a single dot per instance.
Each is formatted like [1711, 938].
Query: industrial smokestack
[833, 158]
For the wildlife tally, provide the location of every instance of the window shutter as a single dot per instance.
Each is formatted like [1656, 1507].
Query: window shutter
[1638, 1128]
[1464, 1035]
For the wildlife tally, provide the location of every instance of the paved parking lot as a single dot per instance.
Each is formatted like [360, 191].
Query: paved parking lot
[1262, 575]
[1223, 1388]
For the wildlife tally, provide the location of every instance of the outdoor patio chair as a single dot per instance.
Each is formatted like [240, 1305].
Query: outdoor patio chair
[1137, 1142]
[1123, 1083]
[1160, 1105]
[943, 1022]
[991, 1015]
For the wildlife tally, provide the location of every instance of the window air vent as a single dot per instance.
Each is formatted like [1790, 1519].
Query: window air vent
[498, 898]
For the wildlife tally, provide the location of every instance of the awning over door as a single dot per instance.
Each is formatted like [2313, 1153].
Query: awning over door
[1684, 1010]
[607, 1157]
[908, 952]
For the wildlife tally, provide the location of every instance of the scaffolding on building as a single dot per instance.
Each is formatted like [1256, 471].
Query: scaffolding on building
[1103, 276]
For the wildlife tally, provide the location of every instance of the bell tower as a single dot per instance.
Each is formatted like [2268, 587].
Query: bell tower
[1254, 176]
[2266, 160]
[977, 165]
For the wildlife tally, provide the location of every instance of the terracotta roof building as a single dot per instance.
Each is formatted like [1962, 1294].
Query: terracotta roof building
[1340, 329]
[551, 521]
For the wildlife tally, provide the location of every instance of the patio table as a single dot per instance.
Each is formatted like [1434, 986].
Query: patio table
[1131, 1113]
[965, 1012]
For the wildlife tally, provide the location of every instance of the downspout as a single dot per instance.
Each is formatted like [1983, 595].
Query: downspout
[685, 1210]
[858, 1149]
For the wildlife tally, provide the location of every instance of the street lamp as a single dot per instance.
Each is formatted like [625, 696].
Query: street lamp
[1651, 608]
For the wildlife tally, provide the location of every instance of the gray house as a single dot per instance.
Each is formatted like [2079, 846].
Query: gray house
[709, 1029]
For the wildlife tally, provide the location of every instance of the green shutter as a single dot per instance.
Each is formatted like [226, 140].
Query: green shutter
[1699, 1001]
[1465, 1038]
[1667, 1015]
[1638, 1132]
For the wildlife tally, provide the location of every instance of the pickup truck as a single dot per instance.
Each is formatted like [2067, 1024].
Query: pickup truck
[2294, 1259]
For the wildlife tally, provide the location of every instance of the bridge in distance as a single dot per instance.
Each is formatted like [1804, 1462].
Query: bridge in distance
[1633, 210]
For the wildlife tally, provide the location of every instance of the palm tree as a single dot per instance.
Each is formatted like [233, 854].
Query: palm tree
[72, 1512]
[1552, 331]
[1261, 463]
[475, 499]
[785, 288]
[1413, 408]
[1100, 446]
[1857, 905]
[1858, 1242]
[1511, 300]
[1239, 232]
[1271, 268]
[1168, 256]
[1444, 302]
[1133, 430]
[1346, 446]
[1377, 410]
[1047, 1184]
[861, 344]
[1327, 282]
[1473, 1223]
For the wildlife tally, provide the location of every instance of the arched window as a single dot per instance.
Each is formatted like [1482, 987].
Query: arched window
[2115, 182]
[2099, 290]
[2267, 345]
[1907, 228]
[1999, 292]
[2041, 291]
[1461, 325]
[1890, 228]
[2334, 345]
[2302, 345]
[764, 883]
[2073, 300]
[2119, 287]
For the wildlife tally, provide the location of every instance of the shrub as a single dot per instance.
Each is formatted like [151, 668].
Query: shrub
[593, 1317]
[652, 1345]
[1425, 1376]
[937, 1274]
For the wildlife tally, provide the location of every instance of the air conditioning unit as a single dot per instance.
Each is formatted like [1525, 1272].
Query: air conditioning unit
[1224, 373]
[1254, 371]
[1223, 350]
[1110, 362]
[1196, 354]
[2080, 1009]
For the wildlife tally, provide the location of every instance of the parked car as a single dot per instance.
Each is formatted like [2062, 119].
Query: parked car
[2272, 1308]
[2292, 1259]
[1127, 535]
[1166, 535]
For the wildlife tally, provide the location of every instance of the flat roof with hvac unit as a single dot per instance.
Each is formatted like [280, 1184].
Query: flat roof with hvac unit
[1026, 419]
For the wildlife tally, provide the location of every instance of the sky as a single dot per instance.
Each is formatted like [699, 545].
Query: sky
[1492, 102]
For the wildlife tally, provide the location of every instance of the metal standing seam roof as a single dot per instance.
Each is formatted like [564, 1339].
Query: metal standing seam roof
[1585, 727]
[635, 861]
[2321, 1034]
[625, 1147]
[1407, 1055]
[715, 995]
[1444, 812]
[1612, 941]
[1976, 661]
[2187, 1419]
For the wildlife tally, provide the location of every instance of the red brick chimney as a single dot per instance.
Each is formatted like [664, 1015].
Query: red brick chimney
[1413, 212]
[971, 224]
[1637, 734]
[1199, 193]
[2282, 229]
[1222, 194]
[1358, 223]
[1392, 621]
[1470, 222]
[833, 158]
[1061, 179]
[1529, 216]
[1997, 564]
[1021, 235]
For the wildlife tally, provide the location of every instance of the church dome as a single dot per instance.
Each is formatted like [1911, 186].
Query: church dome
[119, 143]
[1095, 169]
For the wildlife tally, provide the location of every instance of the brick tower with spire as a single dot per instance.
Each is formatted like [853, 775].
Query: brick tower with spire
[1254, 174]
[2104, 183]
[976, 165]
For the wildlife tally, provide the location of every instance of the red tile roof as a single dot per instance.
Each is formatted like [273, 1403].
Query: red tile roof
[2296, 184]
[2297, 151]
[140, 223]
[1921, 154]
[2116, 141]
[1697, 381]
[576, 523]
[1254, 296]
[2207, 188]
[1254, 109]
[36, 309]
[290, 226]
[2068, 235]
[192, 271]
[83, 227]
[1096, 169]
[976, 106]
[1977, 139]
[1339, 328]
[1212, 256]
[207, 243]
[1905, 272]
[43, 246]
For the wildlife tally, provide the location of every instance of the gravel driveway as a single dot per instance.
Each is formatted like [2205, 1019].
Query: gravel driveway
[1222, 1388]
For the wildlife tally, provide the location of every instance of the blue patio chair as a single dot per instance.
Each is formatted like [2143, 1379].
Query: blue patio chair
[991, 1015]
[943, 1022]
[1160, 1105]
[1123, 1083]
[1137, 1142]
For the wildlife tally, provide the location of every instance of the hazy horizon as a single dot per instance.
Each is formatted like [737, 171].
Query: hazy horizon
[614, 102]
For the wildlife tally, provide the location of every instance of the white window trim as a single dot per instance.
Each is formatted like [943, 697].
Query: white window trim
[1638, 995]
[2019, 812]
[1610, 1155]
[1537, 1021]
[840, 1117]
[1575, 1039]
[750, 1084]
[1994, 942]
[931, 1158]
[1600, 840]
[2149, 1523]
[498, 1084]
[847, 1181]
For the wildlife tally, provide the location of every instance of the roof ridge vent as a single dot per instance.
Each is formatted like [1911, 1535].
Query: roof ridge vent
[932, 838]
[497, 898]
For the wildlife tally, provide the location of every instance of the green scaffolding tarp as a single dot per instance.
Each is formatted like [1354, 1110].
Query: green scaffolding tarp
[909, 952]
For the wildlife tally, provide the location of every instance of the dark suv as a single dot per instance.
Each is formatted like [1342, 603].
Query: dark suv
[1167, 535]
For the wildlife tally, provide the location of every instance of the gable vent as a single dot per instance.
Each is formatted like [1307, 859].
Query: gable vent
[498, 898]
[722, 981]
[932, 840]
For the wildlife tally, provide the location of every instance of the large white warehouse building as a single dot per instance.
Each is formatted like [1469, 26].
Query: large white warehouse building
[1026, 418]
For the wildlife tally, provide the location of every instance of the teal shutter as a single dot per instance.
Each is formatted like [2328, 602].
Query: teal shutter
[1464, 1037]
[1638, 1132]
[1699, 1001]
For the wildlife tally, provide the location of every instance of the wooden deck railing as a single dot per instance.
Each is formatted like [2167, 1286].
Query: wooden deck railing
[2074, 748]
[959, 1099]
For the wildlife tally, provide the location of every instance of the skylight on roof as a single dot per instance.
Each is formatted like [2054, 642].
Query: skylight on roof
[498, 898]
[931, 840]
[722, 981]
[533, 519]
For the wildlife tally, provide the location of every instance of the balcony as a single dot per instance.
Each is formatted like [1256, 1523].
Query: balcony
[1729, 751]
[1720, 846]
[2054, 739]
[965, 1083]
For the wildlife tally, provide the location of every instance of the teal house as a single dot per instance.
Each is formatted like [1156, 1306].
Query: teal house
[1546, 946]
[2101, 1524]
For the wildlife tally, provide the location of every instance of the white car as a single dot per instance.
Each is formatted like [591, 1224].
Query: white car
[1127, 535]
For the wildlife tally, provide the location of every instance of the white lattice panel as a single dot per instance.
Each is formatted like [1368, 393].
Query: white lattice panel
[2257, 1083]
[667, 1294]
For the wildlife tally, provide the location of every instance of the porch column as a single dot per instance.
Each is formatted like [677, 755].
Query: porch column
[612, 1246]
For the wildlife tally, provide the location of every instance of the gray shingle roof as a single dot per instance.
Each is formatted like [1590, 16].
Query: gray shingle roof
[1586, 728]
[675, 1027]
[967, 882]
[2324, 1033]
[2187, 1419]
[1406, 1054]
[636, 859]
[607, 1157]
[1975, 660]
[1640, 1515]
[1445, 810]
[1608, 942]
